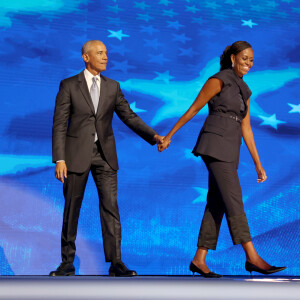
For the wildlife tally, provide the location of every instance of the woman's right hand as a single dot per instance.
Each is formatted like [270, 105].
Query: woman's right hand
[163, 146]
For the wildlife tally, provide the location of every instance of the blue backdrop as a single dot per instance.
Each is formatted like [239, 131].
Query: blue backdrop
[162, 52]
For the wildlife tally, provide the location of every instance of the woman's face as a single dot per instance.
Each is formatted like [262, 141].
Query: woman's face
[242, 62]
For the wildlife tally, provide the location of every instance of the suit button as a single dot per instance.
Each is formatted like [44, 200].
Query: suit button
[93, 134]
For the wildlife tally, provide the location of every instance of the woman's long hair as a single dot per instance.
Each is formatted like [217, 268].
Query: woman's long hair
[235, 48]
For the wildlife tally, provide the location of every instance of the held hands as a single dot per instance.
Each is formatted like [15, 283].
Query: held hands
[164, 145]
[61, 171]
[262, 176]
[158, 139]
[162, 142]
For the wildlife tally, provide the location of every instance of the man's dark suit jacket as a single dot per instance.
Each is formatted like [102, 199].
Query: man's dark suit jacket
[221, 136]
[75, 122]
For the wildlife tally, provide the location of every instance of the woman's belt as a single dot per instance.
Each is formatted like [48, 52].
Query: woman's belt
[217, 113]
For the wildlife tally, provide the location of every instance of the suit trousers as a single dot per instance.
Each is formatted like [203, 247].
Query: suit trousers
[105, 179]
[224, 197]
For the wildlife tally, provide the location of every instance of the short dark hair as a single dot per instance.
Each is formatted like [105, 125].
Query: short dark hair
[87, 45]
[235, 48]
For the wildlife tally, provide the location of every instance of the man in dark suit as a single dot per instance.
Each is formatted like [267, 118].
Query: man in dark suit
[83, 141]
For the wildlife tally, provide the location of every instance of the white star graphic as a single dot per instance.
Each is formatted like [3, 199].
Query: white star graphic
[170, 13]
[248, 23]
[34, 61]
[121, 65]
[149, 29]
[212, 5]
[202, 195]
[118, 34]
[114, 9]
[219, 15]
[256, 8]
[232, 2]
[135, 109]
[115, 21]
[187, 52]
[238, 12]
[192, 9]
[189, 155]
[272, 4]
[295, 108]
[155, 44]
[272, 121]
[175, 25]
[144, 17]
[166, 77]
[165, 2]
[181, 38]
[159, 59]
[141, 5]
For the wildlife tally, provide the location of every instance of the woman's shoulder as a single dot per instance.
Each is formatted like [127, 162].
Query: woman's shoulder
[225, 75]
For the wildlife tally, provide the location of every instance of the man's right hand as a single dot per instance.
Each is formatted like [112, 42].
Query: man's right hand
[61, 171]
[164, 145]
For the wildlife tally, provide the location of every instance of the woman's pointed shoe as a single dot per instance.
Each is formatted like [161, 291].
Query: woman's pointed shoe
[195, 269]
[253, 268]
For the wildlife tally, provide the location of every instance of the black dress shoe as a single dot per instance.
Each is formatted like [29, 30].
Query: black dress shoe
[253, 268]
[64, 269]
[195, 269]
[120, 270]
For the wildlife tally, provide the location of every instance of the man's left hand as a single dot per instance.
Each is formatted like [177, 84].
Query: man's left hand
[158, 139]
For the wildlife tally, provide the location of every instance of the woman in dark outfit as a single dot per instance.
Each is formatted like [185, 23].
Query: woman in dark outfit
[228, 98]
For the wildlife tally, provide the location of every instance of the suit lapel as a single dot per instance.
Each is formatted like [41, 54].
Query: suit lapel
[244, 89]
[85, 92]
[103, 93]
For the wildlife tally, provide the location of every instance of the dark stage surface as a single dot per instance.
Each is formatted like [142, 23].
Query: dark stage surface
[149, 287]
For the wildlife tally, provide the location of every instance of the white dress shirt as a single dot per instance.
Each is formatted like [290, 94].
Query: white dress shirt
[89, 79]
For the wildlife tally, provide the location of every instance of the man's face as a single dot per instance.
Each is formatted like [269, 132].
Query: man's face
[96, 58]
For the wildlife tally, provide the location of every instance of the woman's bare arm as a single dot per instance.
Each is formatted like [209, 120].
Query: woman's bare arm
[211, 88]
[249, 140]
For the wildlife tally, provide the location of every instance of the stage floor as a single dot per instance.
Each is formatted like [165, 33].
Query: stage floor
[149, 287]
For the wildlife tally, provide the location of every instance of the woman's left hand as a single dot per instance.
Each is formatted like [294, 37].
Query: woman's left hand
[261, 173]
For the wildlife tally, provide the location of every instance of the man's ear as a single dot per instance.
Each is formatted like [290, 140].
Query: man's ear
[85, 57]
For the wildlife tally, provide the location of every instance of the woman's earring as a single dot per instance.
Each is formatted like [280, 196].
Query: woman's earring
[232, 65]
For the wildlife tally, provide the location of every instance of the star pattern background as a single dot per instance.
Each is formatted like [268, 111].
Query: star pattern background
[161, 52]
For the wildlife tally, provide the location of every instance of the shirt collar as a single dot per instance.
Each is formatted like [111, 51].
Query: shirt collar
[89, 75]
